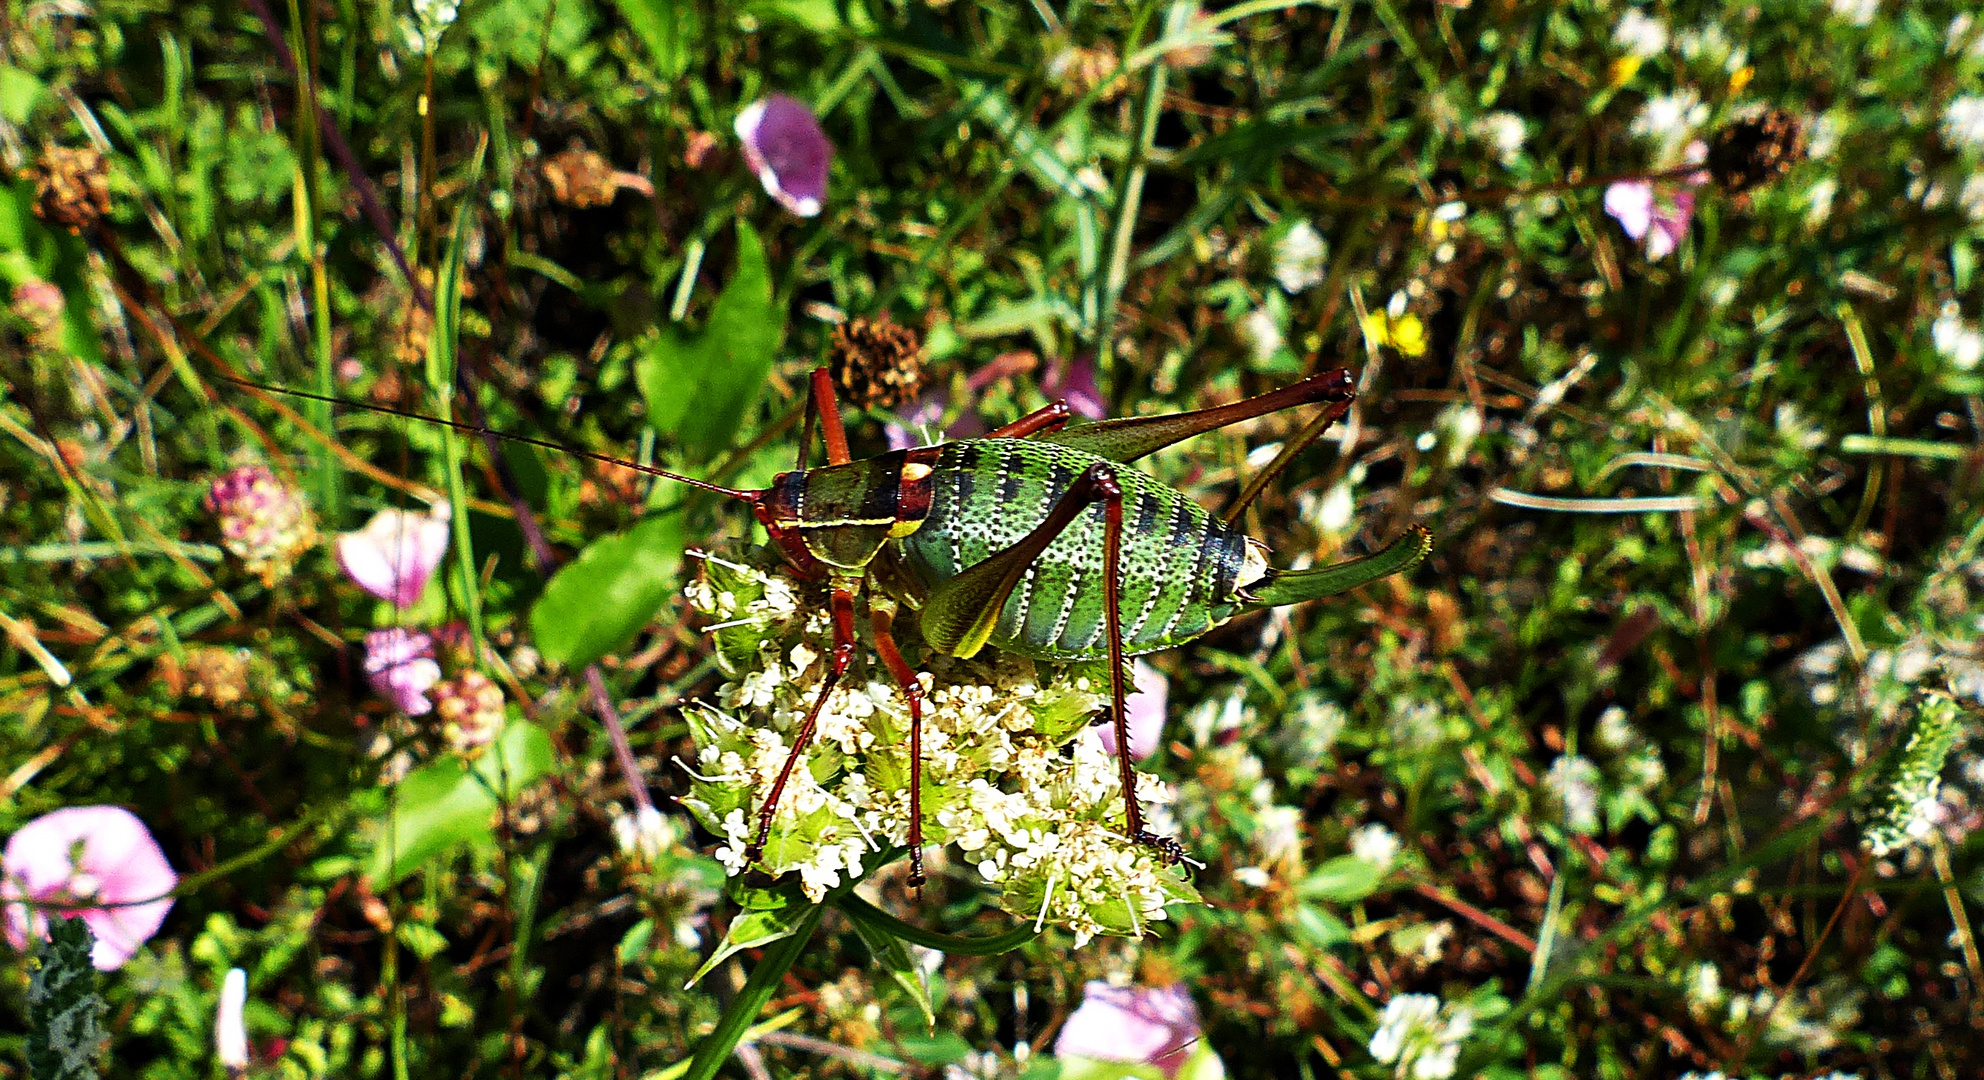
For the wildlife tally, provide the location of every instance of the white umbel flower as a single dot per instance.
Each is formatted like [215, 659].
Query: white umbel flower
[1422, 1036]
[1300, 257]
[1639, 34]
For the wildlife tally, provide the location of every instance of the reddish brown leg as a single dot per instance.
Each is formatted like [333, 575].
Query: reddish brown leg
[824, 406]
[1112, 614]
[879, 621]
[843, 655]
[959, 614]
[1052, 418]
[1309, 434]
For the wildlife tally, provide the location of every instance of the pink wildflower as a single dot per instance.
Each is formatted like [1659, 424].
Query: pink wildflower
[1144, 709]
[1658, 214]
[401, 667]
[1074, 382]
[263, 521]
[82, 855]
[785, 146]
[396, 552]
[1137, 1025]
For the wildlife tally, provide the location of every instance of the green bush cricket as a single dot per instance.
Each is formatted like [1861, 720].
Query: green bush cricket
[1033, 539]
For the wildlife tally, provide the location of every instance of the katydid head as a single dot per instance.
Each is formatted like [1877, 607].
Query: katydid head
[839, 516]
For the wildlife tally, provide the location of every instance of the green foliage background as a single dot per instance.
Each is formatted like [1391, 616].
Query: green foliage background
[1027, 185]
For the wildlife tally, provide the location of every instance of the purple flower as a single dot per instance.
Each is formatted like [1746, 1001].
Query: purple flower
[1658, 217]
[1144, 709]
[1136, 1025]
[784, 145]
[1075, 381]
[81, 855]
[1658, 214]
[401, 667]
[395, 553]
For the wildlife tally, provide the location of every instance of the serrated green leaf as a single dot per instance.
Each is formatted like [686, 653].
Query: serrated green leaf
[699, 387]
[448, 804]
[599, 601]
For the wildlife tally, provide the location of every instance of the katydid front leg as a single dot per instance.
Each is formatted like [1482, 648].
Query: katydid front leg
[843, 655]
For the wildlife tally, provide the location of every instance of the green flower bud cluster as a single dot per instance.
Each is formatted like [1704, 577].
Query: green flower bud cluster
[1008, 776]
[1905, 808]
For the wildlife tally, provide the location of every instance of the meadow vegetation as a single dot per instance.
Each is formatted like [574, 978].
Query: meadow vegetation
[1663, 317]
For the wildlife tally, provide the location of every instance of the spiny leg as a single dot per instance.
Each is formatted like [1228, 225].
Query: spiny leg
[1050, 418]
[960, 614]
[1128, 438]
[1170, 850]
[881, 618]
[1309, 434]
[843, 655]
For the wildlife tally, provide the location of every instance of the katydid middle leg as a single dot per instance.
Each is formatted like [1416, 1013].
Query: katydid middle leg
[960, 614]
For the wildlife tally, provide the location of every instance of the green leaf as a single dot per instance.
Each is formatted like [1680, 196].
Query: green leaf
[751, 930]
[667, 29]
[1343, 879]
[65, 1009]
[19, 92]
[448, 804]
[902, 967]
[699, 387]
[598, 602]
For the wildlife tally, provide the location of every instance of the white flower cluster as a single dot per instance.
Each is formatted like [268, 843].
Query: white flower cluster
[1422, 1036]
[1006, 777]
[431, 19]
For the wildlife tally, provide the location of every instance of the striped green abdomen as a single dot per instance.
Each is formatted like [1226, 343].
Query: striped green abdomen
[1179, 563]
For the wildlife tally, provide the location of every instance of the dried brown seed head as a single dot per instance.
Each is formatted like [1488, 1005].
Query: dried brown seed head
[71, 187]
[876, 362]
[1753, 152]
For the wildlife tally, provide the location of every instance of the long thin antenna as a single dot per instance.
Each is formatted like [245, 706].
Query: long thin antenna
[484, 429]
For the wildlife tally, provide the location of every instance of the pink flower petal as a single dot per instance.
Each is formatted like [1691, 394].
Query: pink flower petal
[1075, 381]
[1631, 203]
[786, 148]
[101, 853]
[396, 553]
[1144, 709]
[1670, 224]
[401, 668]
[1137, 1025]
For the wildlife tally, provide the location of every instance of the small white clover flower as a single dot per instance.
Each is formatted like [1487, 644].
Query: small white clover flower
[1376, 845]
[1572, 783]
[1963, 123]
[1670, 120]
[1422, 1036]
[1639, 34]
[645, 834]
[1957, 341]
[1857, 12]
[1300, 257]
[1263, 333]
[1504, 131]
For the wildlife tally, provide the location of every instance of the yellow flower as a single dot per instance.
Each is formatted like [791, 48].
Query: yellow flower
[1406, 334]
[1623, 70]
[1740, 78]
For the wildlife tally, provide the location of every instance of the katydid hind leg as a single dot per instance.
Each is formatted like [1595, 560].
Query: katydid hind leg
[1126, 439]
[1050, 418]
[880, 623]
[838, 662]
